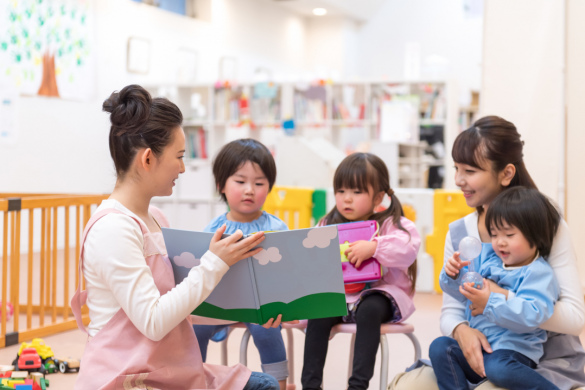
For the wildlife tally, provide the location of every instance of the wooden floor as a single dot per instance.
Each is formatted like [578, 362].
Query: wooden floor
[425, 321]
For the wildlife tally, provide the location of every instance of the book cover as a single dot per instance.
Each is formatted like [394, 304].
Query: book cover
[297, 274]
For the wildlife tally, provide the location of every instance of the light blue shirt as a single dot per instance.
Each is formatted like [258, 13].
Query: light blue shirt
[266, 222]
[512, 323]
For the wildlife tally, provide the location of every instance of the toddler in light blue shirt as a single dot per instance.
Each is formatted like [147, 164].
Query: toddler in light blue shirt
[522, 224]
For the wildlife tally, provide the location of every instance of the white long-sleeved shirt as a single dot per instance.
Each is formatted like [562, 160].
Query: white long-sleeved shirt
[569, 311]
[117, 277]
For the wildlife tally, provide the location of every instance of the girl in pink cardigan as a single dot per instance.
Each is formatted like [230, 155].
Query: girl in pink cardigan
[360, 183]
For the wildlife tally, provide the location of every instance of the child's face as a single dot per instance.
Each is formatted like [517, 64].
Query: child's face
[479, 186]
[170, 164]
[354, 204]
[246, 191]
[511, 246]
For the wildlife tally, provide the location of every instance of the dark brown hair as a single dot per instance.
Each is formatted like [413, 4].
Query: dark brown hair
[359, 171]
[495, 140]
[139, 121]
[235, 154]
[528, 210]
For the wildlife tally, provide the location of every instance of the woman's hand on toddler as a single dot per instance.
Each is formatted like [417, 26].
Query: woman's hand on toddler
[478, 297]
[359, 251]
[454, 265]
[231, 249]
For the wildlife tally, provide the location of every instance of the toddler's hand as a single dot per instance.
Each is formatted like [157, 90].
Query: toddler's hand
[272, 323]
[454, 265]
[478, 297]
[359, 251]
[230, 249]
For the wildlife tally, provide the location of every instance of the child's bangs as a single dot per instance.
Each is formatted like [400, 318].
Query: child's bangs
[467, 148]
[354, 175]
[497, 220]
[507, 212]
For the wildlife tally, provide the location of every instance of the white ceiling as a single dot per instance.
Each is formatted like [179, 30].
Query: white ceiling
[360, 10]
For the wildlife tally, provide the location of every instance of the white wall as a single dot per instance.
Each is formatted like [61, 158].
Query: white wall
[332, 47]
[441, 27]
[523, 80]
[575, 158]
[63, 145]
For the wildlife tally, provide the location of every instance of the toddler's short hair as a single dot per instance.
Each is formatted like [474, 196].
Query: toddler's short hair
[528, 210]
[235, 154]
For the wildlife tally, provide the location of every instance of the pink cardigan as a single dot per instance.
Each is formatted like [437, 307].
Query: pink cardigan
[396, 251]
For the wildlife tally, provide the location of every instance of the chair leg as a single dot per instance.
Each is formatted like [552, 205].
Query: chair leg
[290, 355]
[416, 345]
[224, 345]
[244, 348]
[384, 363]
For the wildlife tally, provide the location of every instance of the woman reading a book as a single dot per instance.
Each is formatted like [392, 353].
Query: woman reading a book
[138, 318]
[488, 159]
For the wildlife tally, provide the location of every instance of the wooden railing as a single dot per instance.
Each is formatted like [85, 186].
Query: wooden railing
[40, 245]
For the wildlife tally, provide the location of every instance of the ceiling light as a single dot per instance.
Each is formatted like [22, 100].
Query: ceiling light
[319, 11]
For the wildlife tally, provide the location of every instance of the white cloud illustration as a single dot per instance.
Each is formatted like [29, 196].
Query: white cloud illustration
[187, 260]
[320, 237]
[267, 255]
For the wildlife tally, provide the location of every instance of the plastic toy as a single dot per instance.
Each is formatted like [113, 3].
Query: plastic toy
[24, 380]
[67, 365]
[50, 366]
[469, 250]
[30, 360]
[370, 270]
[39, 345]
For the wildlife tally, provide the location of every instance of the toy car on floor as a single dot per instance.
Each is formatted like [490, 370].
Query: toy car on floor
[67, 365]
[29, 360]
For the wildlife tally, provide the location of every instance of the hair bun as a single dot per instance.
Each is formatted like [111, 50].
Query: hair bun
[129, 109]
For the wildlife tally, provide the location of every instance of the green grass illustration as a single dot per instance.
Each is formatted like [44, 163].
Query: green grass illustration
[305, 308]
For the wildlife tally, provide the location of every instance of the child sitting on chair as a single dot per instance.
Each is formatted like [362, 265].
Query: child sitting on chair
[360, 183]
[245, 172]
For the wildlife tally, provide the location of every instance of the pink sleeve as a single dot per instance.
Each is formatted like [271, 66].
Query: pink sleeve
[397, 248]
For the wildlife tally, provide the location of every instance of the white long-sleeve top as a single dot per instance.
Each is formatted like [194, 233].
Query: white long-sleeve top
[569, 311]
[117, 277]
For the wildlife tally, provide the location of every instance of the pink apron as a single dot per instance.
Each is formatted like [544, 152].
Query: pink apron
[121, 357]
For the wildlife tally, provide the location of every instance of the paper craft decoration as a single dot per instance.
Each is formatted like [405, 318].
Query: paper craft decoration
[297, 274]
[370, 270]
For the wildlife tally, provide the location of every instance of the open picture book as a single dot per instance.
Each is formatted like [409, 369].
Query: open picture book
[297, 274]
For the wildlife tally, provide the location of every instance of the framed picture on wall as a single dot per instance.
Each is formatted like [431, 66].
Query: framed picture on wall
[138, 55]
[187, 63]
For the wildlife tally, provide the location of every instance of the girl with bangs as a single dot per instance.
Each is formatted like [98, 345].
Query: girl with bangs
[488, 159]
[360, 183]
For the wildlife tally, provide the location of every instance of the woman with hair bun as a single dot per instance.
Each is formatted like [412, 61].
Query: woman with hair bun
[139, 332]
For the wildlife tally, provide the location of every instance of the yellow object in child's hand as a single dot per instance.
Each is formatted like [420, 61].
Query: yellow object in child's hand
[342, 248]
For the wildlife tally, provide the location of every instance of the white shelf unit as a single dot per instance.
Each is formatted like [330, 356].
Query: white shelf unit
[349, 115]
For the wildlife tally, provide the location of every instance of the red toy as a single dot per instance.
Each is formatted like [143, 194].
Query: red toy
[30, 360]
